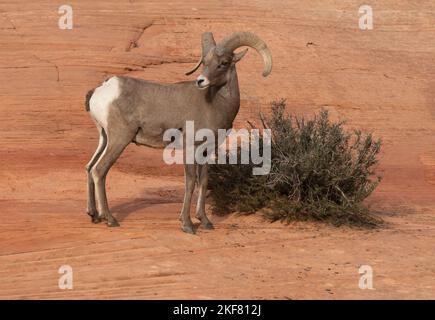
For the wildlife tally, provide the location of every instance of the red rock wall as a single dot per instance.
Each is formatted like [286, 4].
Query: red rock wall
[380, 80]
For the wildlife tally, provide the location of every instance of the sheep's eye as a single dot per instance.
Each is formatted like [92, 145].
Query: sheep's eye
[223, 64]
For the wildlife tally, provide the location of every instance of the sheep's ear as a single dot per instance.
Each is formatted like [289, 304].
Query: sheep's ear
[239, 55]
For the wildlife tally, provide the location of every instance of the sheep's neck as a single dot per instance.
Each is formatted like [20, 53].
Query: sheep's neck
[226, 99]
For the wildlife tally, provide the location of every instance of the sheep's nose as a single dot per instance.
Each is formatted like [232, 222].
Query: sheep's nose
[202, 82]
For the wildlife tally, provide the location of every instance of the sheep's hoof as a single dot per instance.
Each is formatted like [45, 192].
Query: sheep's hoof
[96, 219]
[112, 223]
[188, 228]
[92, 213]
[94, 216]
[208, 225]
[205, 223]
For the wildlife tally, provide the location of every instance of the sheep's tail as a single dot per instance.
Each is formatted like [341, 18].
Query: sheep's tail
[88, 97]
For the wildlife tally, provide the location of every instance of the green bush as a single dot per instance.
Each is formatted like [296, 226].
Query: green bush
[319, 172]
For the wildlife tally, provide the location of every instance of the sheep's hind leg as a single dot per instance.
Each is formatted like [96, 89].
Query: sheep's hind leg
[91, 207]
[115, 145]
[202, 171]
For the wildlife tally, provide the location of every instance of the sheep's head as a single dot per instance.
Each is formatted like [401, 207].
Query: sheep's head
[218, 60]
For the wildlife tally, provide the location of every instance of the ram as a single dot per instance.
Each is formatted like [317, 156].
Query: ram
[129, 110]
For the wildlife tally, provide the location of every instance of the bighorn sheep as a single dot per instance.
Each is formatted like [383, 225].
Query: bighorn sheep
[129, 110]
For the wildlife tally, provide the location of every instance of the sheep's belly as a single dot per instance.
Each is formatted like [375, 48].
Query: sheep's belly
[144, 139]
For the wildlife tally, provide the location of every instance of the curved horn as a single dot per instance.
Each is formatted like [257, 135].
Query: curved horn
[207, 43]
[188, 73]
[249, 39]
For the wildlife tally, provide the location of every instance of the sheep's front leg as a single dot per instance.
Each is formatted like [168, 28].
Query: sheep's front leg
[190, 179]
[200, 206]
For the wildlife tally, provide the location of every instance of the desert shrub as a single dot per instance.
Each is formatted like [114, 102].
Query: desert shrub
[319, 172]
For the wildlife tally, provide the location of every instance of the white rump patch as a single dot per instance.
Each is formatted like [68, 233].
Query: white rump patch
[101, 100]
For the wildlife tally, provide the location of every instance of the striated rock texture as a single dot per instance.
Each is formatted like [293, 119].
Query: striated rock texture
[380, 80]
